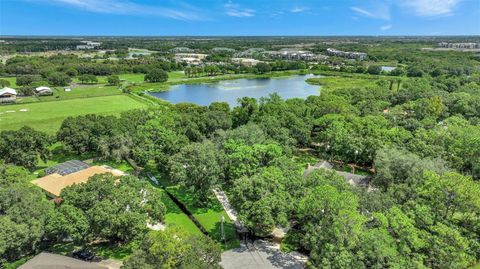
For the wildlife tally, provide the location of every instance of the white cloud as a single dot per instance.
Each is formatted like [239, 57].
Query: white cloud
[380, 12]
[235, 10]
[297, 9]
[431, 7]
[385, 27]
[126, 7]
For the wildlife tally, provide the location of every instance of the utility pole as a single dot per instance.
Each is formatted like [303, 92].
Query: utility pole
[223, 231]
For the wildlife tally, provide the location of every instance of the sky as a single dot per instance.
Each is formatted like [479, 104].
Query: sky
[239, 17]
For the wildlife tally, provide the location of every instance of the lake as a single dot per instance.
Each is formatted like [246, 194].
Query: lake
[388, 68]
[230, 90]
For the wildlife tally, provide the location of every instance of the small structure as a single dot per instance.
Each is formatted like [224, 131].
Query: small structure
[53, 184]
[8, 95]
[43, 90]
[278, 234]
[67, 167]
[67, 89]
[46, 260]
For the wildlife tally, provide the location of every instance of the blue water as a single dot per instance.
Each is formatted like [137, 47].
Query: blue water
[388, 68]
[230, 90]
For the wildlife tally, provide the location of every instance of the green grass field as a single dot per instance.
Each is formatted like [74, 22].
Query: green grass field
[12, 80]
[176, 218]
[135, 78]
[209, 217]
[85, 91]
[48, 116]
[333, 83]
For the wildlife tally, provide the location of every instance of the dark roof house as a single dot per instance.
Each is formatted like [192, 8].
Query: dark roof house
[67, 168]
[352, 179]
[54, 261]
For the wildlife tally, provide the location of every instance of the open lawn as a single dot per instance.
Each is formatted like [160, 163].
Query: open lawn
[84, 91]
[136, 78]
[12, 80]
[209, 217]
[176, 218]
[48, 116]
[333, 83]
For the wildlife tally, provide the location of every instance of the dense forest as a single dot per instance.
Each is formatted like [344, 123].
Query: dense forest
[415, 132]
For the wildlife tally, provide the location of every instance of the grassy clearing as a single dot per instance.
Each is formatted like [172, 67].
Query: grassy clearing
[80, 92]
[302, 159]
[174, 217]
[209, 217]
[135, 78]
[333, 83]
[48, 116]
[12, 80]
[17, 263]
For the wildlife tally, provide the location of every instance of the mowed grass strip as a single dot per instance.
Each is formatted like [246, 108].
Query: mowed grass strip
[174, 217]
[209, 217]
[48, 116]
[84, 91]
[12, 80]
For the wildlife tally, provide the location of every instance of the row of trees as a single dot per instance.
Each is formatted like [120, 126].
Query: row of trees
[422, 141]
[105, 208]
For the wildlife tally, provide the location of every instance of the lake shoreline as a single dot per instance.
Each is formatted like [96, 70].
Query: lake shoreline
[213, 79]
[286, 86]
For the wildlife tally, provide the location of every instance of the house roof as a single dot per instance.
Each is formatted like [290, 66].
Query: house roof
[352, 179]
[53, 184]
[42, 88]
[8, 90]
[67, 167]
[54, 261]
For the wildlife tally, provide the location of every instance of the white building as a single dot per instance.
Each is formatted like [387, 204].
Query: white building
[347, 54]
[8, 95]
[88, 45]
[466, 45]
[190, 58]
[245, 61]
[292, 54]
[43, 90]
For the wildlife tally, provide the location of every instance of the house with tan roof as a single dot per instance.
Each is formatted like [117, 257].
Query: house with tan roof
[54, 183]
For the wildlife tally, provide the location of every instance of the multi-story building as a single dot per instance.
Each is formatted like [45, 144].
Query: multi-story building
[466, 45]
[190, 58]
[347, 54]
[88, 45]
[245, 61]
[292, 54]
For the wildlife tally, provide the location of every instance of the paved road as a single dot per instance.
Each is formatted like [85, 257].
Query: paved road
[260, 255]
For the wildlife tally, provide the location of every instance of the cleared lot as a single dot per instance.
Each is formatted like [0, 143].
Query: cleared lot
[48, 116]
